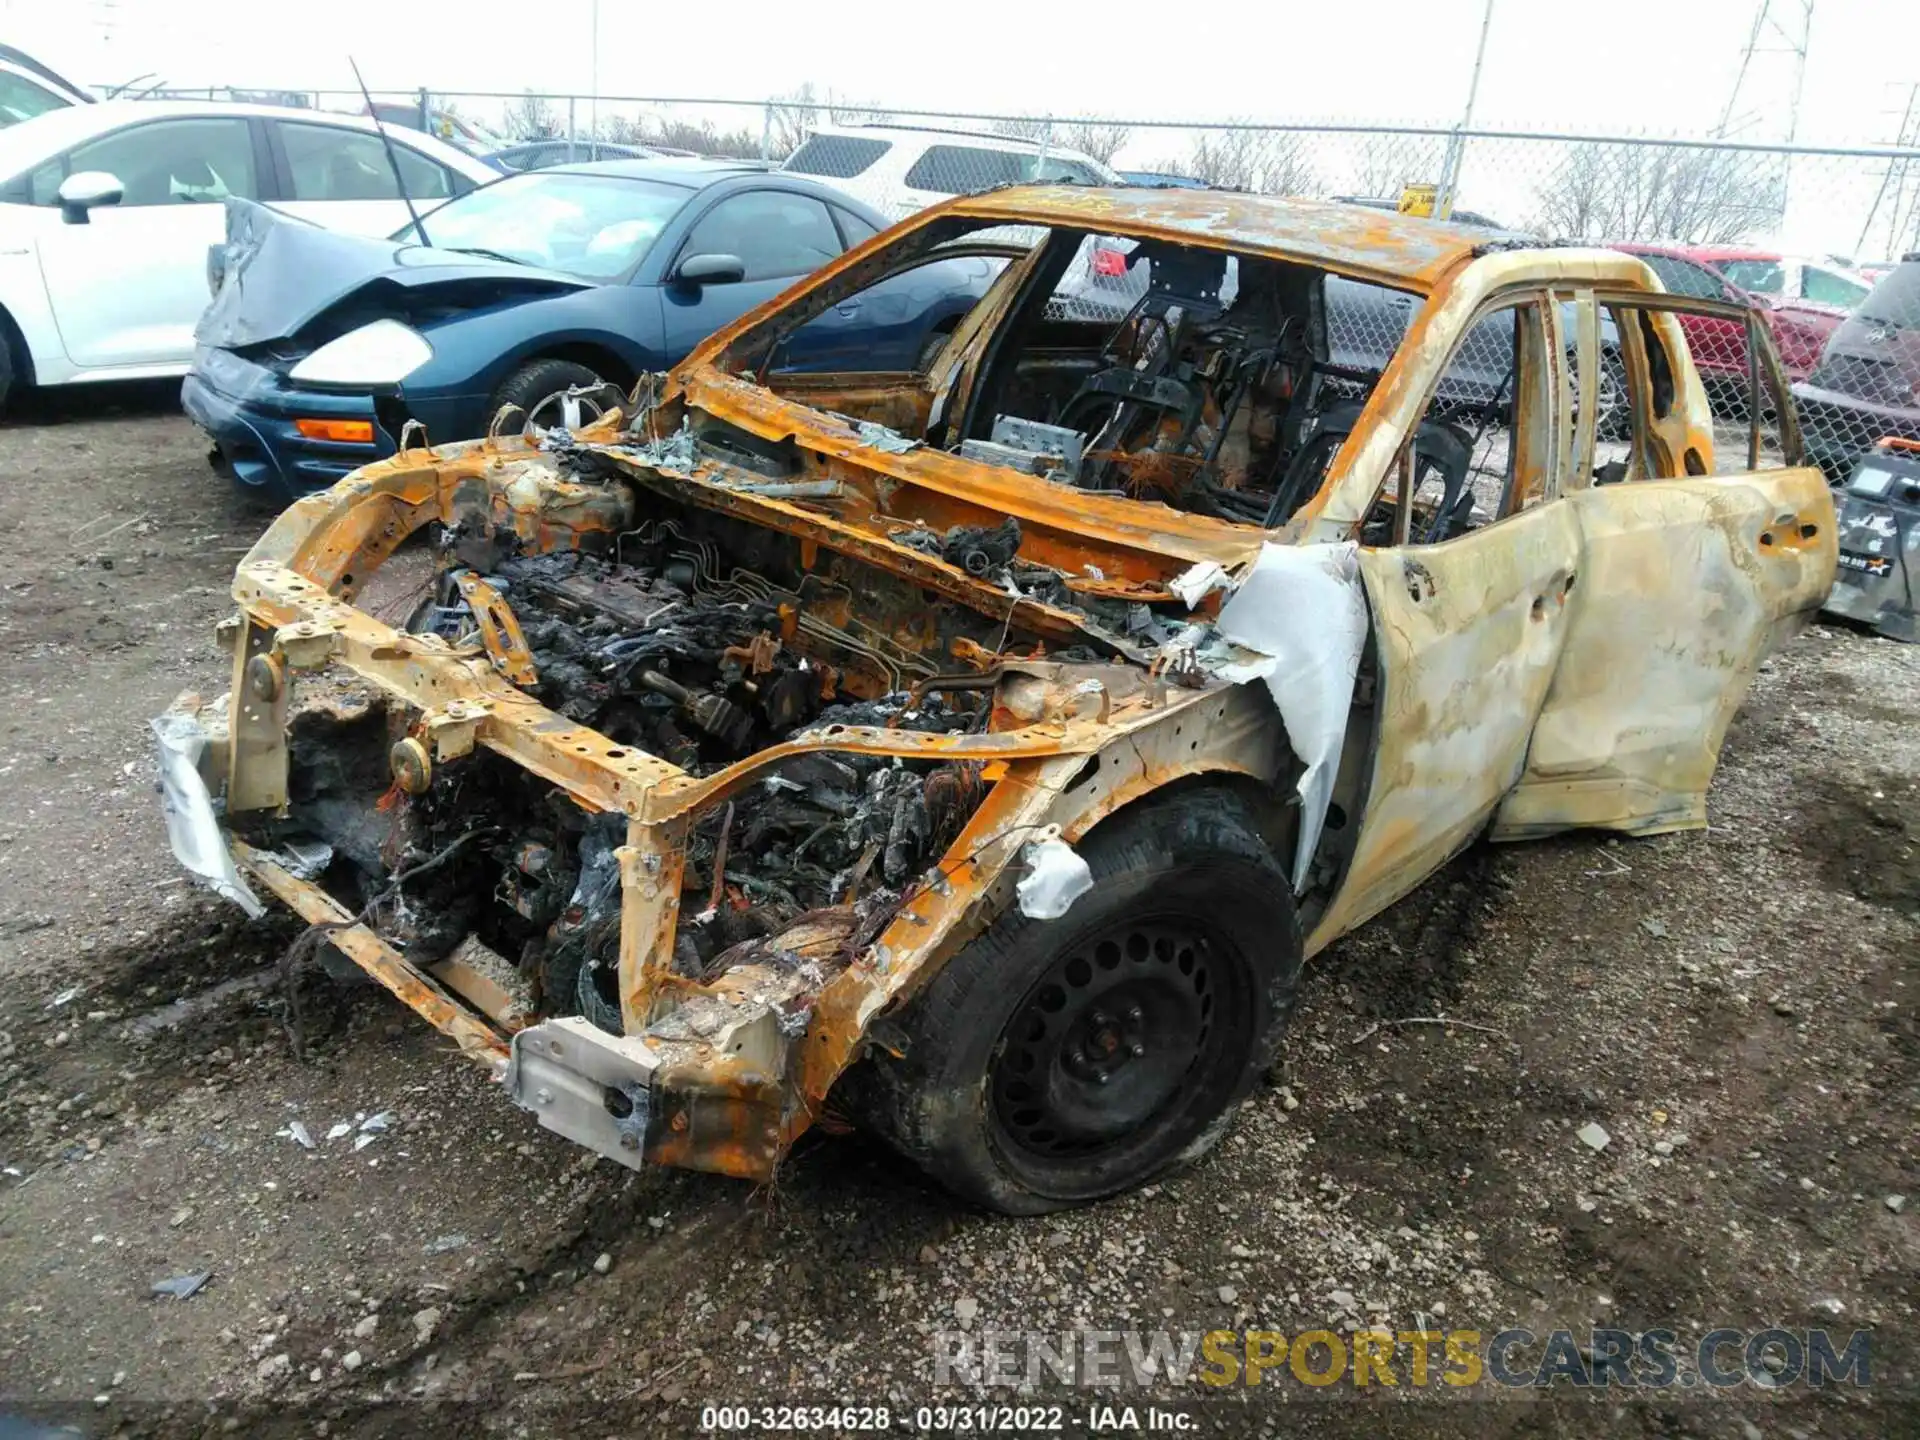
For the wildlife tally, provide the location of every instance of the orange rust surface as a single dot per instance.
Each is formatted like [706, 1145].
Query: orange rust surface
[719, 1114]
[1413, 251]
[900, 402]
[500, 631]
[652, 865]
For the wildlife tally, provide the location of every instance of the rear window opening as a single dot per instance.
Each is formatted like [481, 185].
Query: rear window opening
[837, 157]
[967, 169]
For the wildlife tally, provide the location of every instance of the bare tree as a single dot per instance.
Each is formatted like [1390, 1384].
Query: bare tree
[622, 130]
[1024, 127]
[1578, 200]
[530, 118]
[1695, 194]
[795, 115]
[1286, 167]
[1271, 162]
[850, 112]
[1097, 138]
[1386, 164]
[704, 138]
[790, 118]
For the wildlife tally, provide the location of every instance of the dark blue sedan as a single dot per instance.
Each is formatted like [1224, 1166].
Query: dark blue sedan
[542, 290]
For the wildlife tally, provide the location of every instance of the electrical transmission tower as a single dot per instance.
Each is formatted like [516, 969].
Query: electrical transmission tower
[1780, 27]
[1903, 212]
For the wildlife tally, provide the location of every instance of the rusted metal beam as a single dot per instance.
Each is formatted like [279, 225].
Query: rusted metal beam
[358, 942]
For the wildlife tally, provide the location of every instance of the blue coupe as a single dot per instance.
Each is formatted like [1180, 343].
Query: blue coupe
[534, 291]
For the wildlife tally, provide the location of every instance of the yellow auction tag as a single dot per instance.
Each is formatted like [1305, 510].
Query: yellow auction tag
[1418, 199]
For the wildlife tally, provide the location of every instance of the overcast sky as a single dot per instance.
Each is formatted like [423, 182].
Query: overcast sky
[1661, 65]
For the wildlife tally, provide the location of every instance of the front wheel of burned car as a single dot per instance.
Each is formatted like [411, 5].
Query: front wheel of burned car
[1056, 1062]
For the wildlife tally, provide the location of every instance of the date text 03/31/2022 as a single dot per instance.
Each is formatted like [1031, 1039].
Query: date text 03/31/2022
[941, 1419]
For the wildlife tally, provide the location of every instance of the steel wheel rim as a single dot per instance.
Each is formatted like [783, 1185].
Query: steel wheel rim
[1158, 1007]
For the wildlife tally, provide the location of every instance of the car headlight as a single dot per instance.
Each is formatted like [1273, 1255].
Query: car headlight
[383, 352]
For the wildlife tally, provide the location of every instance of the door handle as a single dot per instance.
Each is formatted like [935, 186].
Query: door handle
[848, 307]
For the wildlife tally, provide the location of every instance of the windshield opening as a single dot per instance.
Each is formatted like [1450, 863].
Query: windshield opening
[595, 226]
[1756, 277]
[1137, 368]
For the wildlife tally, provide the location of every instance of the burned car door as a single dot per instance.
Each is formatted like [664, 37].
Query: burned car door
[1686, 580]
[1467, 634]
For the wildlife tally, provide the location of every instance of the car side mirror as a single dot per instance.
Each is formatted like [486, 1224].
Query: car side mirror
[711, 270]
[80, 193]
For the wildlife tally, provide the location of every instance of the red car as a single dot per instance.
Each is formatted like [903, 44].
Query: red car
[1803, 301]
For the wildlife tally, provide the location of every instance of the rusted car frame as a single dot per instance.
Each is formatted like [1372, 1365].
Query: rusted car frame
[1491, 689]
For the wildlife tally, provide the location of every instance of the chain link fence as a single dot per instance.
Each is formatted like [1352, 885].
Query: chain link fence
[1827, 226]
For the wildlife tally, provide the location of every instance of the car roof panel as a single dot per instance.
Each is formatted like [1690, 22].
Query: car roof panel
[1406, 250]
[673, 170]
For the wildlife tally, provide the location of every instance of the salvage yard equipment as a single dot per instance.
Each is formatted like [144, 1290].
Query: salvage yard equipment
[977, 752]
[1880, 541]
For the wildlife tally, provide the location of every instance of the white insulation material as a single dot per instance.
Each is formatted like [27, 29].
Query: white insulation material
[1304, 607]
[191, 826]
[1198, 581]
[1056, 877]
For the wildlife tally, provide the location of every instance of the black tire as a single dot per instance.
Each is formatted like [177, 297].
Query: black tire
[6, 368]
[1187, 947]
[573, 987]
[540, 380]
[930, 349]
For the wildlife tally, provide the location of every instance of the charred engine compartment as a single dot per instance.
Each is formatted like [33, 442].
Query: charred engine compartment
[701, 641]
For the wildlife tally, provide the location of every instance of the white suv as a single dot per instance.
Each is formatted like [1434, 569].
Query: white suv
[901, 169]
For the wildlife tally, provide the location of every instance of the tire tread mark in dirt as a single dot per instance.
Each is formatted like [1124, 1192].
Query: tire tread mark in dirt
[197, 954]
[1863, 837]
[609, 1214]
[1446, 915]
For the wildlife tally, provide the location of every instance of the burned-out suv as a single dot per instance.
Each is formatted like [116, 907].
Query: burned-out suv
[977, 753]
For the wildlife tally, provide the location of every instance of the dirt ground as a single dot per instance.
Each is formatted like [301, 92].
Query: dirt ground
[1736, 1008]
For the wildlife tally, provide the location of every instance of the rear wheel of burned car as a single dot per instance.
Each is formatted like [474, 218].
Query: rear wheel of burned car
[1056, 1062]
